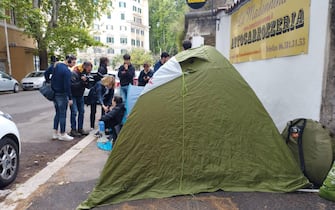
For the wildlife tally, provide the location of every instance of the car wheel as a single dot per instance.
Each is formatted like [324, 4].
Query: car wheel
[9, 161]
[16, 88]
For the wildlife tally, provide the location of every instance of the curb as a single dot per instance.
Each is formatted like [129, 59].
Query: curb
[32, 184]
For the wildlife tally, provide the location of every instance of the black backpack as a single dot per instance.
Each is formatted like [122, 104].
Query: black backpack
[92, 96]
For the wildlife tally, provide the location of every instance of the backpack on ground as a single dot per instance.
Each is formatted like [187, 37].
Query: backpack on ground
[311, 145]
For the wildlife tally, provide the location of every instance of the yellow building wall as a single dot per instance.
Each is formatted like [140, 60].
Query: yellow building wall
[22, 50]
[22, 61]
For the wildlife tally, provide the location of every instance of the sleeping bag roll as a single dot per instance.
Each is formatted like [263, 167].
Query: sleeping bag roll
[311, 145]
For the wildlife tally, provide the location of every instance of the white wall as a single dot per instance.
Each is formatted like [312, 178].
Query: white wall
[289, 87]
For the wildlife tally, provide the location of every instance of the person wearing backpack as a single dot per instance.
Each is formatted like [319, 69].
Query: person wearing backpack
[102, 94]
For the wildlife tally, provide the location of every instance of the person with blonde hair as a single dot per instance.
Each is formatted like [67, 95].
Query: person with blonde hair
[101, 93]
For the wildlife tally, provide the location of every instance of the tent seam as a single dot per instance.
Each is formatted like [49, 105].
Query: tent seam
[183, 94]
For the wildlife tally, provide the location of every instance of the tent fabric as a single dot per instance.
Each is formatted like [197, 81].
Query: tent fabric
[169, 71]
[133, 93]
[201, 132]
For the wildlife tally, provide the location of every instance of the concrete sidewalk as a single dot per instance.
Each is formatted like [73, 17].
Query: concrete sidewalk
[67, 181]
[64, 183]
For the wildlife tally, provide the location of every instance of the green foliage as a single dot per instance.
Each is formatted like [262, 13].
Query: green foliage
[166, 19]
[58, 25]
[138, 58]
[68, 44]
[5, 4]
[117, 61]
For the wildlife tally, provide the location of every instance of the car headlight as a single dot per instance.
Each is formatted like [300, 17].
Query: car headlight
[6, 115]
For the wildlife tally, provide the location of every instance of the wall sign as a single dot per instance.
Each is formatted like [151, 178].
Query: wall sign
[263, 29]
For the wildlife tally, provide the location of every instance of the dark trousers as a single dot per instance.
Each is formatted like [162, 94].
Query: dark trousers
[93, 113]
[114, 129]
[77, 108]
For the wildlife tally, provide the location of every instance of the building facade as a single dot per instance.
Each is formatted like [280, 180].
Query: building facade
[281, 50]
[20, 57]
[200, 24]
[123, 28]
[285, 55]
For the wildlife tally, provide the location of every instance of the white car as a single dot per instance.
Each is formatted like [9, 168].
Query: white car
[10, 149]
[33, 80]
[8, 83]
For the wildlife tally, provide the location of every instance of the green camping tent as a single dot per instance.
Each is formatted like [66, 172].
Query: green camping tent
[197, 127]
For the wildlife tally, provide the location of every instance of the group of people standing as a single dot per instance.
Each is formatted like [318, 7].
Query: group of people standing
[69, 82]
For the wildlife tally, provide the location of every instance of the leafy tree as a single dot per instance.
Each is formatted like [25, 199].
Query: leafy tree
[117, 61]
[138, 57]
[166, 19]
[4, 4]
[57, 25]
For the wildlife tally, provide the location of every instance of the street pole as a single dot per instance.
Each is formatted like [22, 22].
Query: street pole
[7, 47]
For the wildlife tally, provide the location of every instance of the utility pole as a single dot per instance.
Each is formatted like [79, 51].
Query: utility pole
[7, 47]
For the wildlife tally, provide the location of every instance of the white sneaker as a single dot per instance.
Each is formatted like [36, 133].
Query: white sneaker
[65, 137]
[55, 135]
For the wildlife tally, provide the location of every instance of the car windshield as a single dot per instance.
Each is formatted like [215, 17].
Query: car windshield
[4, 75]
[35, 74]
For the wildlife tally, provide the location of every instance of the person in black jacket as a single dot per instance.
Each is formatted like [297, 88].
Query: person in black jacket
[102, 70]
[145, 75]
[79, 81]
[114, 116]
[101, 93]
[126, 75]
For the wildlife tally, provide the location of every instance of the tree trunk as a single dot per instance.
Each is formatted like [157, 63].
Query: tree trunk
[43, 54]
[36, 3]
[327, 115]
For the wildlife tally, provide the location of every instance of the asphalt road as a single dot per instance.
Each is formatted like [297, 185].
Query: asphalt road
[31, 112]
[33, 115]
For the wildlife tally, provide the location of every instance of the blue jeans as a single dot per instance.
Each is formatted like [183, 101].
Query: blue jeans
[60, 102]
[77, 108]
[124, 92]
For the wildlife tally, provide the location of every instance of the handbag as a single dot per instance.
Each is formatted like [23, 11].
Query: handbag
[47, 91]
